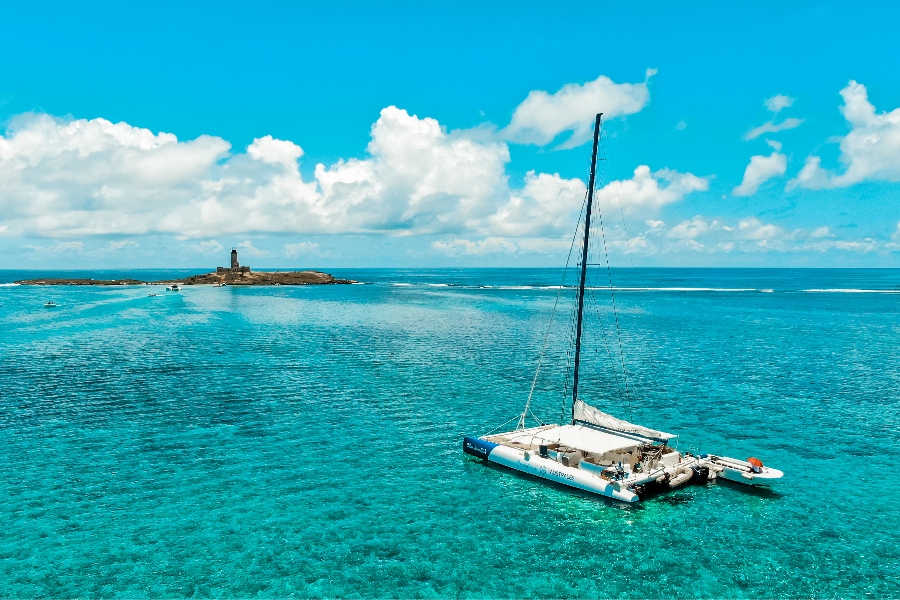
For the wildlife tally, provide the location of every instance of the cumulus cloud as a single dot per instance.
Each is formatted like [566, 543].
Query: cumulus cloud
[776, 103]
[713, 236]
[699, 234]
[58, 247]
[871, 151]
[772, 127]
[248, 247]
[646, 190]
[496, 245]
[207, 247]
[543, 116]
[120, 245]
[760, 170]
[75, 178]
[278, 152]
[300, 248]
[546, 204]
[459, 247]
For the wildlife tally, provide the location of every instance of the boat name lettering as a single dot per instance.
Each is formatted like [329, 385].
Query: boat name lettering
[476, 449]
[563, 475]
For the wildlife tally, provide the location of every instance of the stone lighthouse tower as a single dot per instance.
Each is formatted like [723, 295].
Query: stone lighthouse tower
[235, 265]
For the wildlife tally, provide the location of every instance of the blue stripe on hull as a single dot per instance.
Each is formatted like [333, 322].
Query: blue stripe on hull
[476, 447]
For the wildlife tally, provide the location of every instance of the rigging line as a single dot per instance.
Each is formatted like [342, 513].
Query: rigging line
[572, 320]
[612, 359]
[550, 325]
[619, 199]
[569, 343]
[499, 426]
[615, 312]
[593, 299]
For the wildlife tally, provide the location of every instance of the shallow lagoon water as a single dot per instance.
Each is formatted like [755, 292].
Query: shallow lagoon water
[305, 441]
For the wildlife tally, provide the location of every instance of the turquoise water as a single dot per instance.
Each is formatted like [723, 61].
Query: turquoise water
[305, 441]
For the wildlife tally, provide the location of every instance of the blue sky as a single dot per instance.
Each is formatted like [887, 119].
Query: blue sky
[162, 135]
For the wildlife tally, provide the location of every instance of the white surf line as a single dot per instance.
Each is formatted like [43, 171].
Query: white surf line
[852, 291]
[678, 289]
[556, 287]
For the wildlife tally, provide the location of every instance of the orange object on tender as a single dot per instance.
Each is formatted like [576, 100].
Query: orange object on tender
[755, 462]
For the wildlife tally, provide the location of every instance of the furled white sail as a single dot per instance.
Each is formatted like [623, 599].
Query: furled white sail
[589, 414]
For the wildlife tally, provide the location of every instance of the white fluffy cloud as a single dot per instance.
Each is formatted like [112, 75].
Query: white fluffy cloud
[871, 151]
[491, 245]
[776, 103]
[712, 236]
[81, 178]
[77, 178]
[122, 244]
[696, 235]
[276, 152]
[542, 116]
[249, 248]
[646, 190]
[772, 127]
[546, 204]
[760, 170]
[207, 247]
[300, 248]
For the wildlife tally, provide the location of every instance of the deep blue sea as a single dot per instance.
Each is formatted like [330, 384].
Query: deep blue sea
[306, 441]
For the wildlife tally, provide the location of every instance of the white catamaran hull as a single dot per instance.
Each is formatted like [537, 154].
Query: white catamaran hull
[554, 471]
[589, 479]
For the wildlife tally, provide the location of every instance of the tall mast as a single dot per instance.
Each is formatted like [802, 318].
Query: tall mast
[584, 259]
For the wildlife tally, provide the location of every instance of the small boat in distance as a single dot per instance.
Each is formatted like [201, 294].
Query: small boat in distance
[597, 452]
[174, 288]
[50, 304]
[152, 295]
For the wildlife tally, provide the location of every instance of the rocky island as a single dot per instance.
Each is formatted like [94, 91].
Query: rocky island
[246, 278]
[233, 275]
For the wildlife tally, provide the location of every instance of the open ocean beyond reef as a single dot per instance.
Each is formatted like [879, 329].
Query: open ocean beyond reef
[306, 441]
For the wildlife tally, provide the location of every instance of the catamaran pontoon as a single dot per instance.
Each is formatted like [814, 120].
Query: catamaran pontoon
[600, 453]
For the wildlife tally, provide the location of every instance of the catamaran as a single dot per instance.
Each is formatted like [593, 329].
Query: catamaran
[597, 452]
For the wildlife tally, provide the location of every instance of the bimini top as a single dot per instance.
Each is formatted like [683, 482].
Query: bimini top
[581, 437]
[593, 431]
[587, 415]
